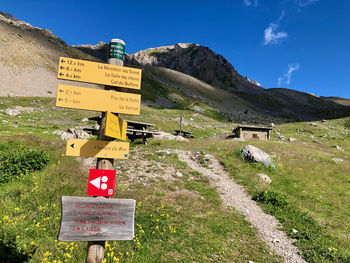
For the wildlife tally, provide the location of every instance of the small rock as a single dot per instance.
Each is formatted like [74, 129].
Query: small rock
[96, 126]
[191, 119]
[12, 112]
[249, 261]
[85, 120]
[339, 148]
[323, 120]
[295, 231]
[291, 139]
[272, 124]
[337, 160]
[265, 178]
[179, 174]
[163, 151]
[275, 241]
[4, 121]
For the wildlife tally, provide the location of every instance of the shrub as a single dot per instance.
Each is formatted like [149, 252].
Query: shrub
[19, 161]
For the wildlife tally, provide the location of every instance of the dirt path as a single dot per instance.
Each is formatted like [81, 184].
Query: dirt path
[234, 195]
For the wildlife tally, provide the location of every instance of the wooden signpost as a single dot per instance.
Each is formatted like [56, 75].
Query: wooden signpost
[97, 100]
[100, 149]
[99, 73]
[96, 219]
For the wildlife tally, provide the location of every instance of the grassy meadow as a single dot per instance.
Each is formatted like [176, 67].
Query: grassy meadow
[178, 219]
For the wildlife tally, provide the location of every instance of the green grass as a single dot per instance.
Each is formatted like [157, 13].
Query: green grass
[178, 222]
[315, 189]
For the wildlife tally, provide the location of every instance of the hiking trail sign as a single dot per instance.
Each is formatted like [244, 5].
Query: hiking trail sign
[101, 182]
[99, 73]
[96, 219]
[97, 100]
[115, 127]
[99, 149]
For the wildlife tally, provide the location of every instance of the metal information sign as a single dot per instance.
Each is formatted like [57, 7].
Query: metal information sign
[97, 100]
[115, 127]
[95, 219]
[99, 149]
[99, 73]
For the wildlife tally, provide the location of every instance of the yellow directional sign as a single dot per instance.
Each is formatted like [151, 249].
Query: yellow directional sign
[99, 73]
[97, 100]
[99, 149]
[115, 127]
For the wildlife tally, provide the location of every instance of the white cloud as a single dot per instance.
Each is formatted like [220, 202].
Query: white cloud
[271, 35]
[303, 3]
[251, 2]
[287, 77]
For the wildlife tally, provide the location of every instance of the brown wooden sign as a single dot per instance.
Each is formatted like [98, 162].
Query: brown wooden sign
[96, 219]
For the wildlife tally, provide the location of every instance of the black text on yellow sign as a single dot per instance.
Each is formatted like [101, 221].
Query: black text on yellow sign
[99, 73]
[98, 149]
[115, 127]
[97, 100]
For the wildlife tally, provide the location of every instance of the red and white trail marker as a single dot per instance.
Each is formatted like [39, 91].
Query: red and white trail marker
[101, 182]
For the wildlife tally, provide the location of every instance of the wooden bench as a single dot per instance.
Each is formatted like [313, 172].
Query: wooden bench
[184, 133]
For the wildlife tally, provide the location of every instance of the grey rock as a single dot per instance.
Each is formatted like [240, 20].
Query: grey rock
[292, 139]
[338, 147]
[72, 133]
[85, 120]
[12, 112]
[337, 160]
[179, 174]
[163, 151]
[4, 121]
[254, 154]
[265, 178]
[295, 231]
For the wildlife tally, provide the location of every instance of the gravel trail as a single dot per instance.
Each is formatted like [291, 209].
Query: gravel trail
[232, 194]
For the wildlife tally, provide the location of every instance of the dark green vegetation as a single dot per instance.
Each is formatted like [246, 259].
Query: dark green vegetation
[178, 219]
[16, 161]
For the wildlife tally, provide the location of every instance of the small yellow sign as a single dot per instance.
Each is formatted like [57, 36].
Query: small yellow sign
[99, 73]
[97, 100]
[99, 149]
[115, 127]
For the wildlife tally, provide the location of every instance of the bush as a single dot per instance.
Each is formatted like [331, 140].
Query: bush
[19, 161]
[270, 197]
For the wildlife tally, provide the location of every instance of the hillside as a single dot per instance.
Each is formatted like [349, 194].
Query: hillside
[29, 58]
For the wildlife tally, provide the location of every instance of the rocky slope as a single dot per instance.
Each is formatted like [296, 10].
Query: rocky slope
[29, 58]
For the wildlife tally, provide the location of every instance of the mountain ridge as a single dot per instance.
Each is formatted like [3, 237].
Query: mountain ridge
[29, 64]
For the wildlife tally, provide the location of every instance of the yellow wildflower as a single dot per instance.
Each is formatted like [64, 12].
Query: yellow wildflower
[16, 209]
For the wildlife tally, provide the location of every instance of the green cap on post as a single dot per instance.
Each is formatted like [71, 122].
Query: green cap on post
[116, 49]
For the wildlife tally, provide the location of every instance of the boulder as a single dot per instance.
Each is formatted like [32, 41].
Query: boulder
[254, 154]
[265, 178]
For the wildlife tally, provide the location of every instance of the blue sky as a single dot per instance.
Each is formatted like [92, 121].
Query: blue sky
[297, 44]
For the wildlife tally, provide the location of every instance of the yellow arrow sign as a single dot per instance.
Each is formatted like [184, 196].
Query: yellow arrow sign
[115, 127]
[97, 100]
[99, 73]
[99, 149]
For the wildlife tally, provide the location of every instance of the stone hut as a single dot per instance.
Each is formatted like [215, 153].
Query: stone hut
[252, 132]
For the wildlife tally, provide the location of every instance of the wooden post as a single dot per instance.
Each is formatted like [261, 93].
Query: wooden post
[180, 125]
[95, 252]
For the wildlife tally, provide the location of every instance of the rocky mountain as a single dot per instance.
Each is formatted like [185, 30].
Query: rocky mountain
[244, 98]
[188, 76]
